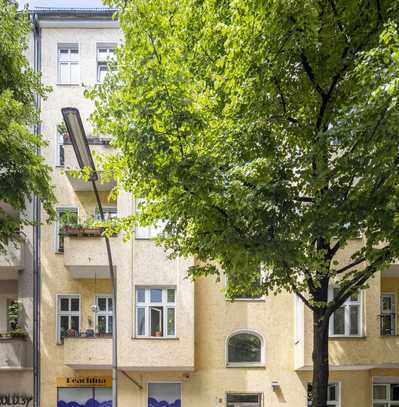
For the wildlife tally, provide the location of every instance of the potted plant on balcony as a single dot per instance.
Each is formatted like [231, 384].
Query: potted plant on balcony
[72, 226]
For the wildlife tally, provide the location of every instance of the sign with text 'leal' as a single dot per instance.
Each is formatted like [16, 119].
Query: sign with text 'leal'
[15, 399]
[84, 381]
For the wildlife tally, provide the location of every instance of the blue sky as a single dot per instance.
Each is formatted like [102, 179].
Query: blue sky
[60, 3]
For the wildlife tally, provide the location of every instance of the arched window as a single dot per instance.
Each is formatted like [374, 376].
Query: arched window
[245, 348]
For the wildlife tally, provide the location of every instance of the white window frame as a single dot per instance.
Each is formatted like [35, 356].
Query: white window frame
[58, 225]
[333, 403]
[147, 232]
[387, 401]
[147, 305]
[107, 313]
[392, 313]
[245, 364]
[244, 404]
[69, 62]
[69, 314]
[103, 62]
[347, 305]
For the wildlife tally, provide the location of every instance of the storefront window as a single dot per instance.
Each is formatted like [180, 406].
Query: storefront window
[164, 395]
[84, 397]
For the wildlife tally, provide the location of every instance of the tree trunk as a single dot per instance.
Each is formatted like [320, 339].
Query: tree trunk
[320, 359]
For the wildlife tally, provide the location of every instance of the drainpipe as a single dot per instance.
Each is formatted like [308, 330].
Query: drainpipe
[36, 235]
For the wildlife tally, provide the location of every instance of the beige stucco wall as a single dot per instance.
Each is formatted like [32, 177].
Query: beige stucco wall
[204, 319]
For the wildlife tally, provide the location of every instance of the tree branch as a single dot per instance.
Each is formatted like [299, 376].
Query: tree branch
[309, 71]
[349, 266]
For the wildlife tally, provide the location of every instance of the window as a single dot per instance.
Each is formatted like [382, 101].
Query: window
[68, 316]
[80, 397]
[164, 394]
[104, 314]
[68, 64]
[253, 290]
[110, 212]
[346, 320]
[385, 395]
[147, 232]
[243, 400]
[388, 315]
[64, 216]
[156, 312]
[105, 56]
[60, 156]
[333, 396]
[245, 349]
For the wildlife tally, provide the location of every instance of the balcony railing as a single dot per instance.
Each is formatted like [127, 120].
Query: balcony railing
[13, 353]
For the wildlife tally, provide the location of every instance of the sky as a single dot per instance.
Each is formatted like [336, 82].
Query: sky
[60, 3]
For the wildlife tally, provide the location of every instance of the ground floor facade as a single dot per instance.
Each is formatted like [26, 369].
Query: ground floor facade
[16, 387]
[219, 388]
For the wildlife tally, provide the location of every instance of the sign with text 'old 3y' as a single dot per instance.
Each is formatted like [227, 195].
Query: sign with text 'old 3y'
[84, 381]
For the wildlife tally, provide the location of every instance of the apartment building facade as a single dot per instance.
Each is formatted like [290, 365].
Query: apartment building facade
[180, 342]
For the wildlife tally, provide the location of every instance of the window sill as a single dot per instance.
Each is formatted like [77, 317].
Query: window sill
[261, 299]
[345, 337]
[245, 366]
[68, 84]
[155, 338]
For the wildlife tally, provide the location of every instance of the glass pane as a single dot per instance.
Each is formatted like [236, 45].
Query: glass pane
[164, 394]
[354, 319]
[75, 323]
[387, 325]
[171, 295]
[387, 303]
[63, 54]
[339, 321]
[171, 321]
[110, 304]
[64, 325]
[395, 392]
[64, 73]
[79, 396]
[101, 324]
[110, 324]
[156, 321]
[380, 405]
[140, 321]
[332, 392]
[64, 304]
[75, 72]
[74, 54]
[74, 304]
[156, 295]
[379, 392]
[244, 348]
[243, 398]
[140, 293]
[102, 303]
[103, 395]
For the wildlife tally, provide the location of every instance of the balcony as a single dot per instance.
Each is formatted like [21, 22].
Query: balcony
[13, 353]
[86, 256]
[98, 146]
[11, 261]
[88, 352]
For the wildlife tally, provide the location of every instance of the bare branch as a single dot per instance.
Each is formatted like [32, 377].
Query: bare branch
[349, 266]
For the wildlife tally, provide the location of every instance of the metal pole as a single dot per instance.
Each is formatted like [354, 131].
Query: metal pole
[114, 314]
[36, 238]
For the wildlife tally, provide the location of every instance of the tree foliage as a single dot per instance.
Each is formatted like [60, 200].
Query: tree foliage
[265, 132]
[23, 171]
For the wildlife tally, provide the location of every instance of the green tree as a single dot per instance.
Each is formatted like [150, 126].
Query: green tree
[23, 171]
[265, 132]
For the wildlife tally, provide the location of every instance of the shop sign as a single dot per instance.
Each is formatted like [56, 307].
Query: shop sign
[84, 381]
[15, 399]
